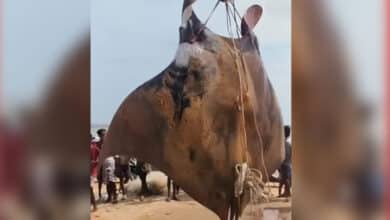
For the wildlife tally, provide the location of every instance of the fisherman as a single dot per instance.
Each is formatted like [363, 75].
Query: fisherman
[108, 175]
[122, 172]
[93, 200]
[94, 151]
[142, 169]
[99, 144]
[285, 168]
[101, 134]
[175, 190]
[94, 154]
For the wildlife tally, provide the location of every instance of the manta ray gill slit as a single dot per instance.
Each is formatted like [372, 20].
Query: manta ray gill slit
[175, 83]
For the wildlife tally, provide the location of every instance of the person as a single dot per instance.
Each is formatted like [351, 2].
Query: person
[142, 169]
[93, 200]
[99, 143]
[175, 192]
[101, 134]
[285, 168]
[122, 172]
[94, 154]
[108, 170]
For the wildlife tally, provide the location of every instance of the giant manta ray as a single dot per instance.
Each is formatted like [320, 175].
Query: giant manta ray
[210, 112]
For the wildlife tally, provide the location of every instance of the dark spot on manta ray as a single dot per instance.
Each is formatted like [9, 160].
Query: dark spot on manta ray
[175, 83]
[196, 75]
[192, 155]
[176, 80]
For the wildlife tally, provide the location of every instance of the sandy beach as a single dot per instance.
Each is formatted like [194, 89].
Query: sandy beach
[157, 208]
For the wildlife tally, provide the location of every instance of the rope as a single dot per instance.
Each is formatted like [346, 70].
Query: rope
[212, 12]
[241, 108]
[234, 13]
[241, 98]
[247, 178]
[258, 131]
[209, 17]
[253, 178]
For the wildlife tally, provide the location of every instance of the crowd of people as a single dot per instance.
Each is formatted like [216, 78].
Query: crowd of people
[113, 168]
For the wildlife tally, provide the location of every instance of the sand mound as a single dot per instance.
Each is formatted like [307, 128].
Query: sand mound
[133, 187]
[157, 183]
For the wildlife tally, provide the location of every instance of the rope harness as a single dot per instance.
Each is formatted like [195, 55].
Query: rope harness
[246, 178]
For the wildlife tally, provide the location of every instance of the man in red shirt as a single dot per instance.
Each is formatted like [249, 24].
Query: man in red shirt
[94, 151]
[99, 144]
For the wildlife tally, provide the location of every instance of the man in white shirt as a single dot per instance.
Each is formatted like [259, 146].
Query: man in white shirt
[109, 179]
